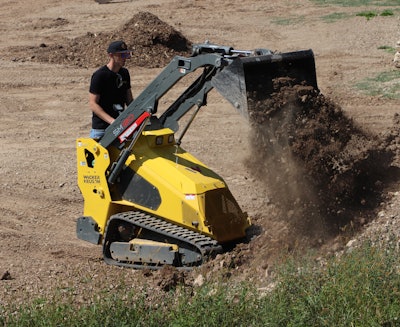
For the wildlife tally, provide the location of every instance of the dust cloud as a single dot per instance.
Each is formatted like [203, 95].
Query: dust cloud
[323, 171]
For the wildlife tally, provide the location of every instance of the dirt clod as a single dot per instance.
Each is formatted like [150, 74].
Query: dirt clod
[169, 278]
[6, 276]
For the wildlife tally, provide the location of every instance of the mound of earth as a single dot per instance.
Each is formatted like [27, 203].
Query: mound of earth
[318, 162]
[154, 44]
[392, 139]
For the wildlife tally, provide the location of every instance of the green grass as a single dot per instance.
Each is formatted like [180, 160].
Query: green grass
[387, 12]
[331, 18]
[358, 3]
[372, 14]
[361, 288]
[386, 84]
[336, 16]
[367, 14]
[388, 49]
[288, 21]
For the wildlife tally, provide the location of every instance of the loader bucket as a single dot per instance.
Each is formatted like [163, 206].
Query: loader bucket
[252, 77]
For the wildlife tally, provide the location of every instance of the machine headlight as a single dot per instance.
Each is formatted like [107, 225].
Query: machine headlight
[159, 140]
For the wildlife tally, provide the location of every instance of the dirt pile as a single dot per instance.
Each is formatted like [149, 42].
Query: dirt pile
[154, 44]
[392, 139]
[318, 163]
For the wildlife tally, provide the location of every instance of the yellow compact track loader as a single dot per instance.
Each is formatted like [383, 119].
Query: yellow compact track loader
[148, 201]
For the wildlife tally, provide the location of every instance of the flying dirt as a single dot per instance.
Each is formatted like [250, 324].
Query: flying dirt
[319, 163]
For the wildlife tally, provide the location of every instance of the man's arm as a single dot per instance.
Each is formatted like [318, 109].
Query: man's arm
[98, 110]
[129, 96]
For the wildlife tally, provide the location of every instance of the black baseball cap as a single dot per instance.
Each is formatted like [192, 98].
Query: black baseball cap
[117, 47]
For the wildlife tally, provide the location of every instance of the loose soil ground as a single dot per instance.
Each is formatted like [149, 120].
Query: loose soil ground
[327, 176]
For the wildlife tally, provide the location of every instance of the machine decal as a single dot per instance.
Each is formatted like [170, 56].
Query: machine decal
[129, 131]
[128, 120]
[125, 123]
[91, 179]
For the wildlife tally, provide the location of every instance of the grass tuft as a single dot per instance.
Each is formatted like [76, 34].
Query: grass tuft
[385, 84]
[358, 3]
[331, 18]
[388, 49]
[367, 14]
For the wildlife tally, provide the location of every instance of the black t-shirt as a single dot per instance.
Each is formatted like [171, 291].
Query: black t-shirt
[112, 89]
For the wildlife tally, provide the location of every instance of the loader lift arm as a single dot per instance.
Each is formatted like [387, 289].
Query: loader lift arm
[234, 73]
[147, 101]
